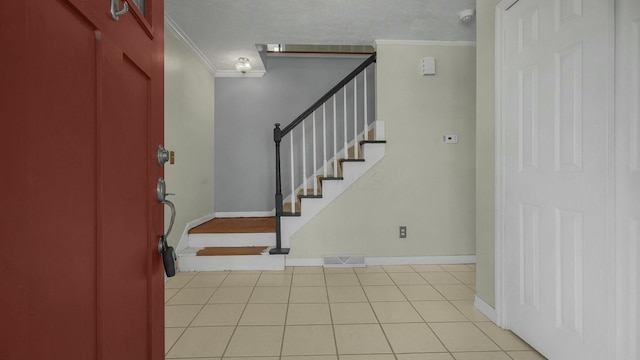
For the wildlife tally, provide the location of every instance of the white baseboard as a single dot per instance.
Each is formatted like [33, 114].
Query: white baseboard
[393, 260]
[420, 260]
[304, 261]
[245, 214]
[485, 309]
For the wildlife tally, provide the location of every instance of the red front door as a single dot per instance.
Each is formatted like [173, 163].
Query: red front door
[81, 116]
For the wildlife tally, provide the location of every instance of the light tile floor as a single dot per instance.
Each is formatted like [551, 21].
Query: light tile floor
[419, 312]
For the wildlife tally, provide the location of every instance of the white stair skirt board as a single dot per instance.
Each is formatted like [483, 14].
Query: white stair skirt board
[331, 189]
[222, 240]
[188, 261]
[393, 260]
[485, 309]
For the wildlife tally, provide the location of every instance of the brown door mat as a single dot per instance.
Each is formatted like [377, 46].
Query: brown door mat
[247, 225]
[240, 250]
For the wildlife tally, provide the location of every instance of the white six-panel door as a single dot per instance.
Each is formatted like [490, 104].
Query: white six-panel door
[557, 199]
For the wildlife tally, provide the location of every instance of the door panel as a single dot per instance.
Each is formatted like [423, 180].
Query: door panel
[51, 136]
[123, 186]
[82, 116]
[557, 176]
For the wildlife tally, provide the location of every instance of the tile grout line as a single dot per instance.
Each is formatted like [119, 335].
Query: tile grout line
[423, 319]
[239, 318]
[286, 315]
[395, 356]
[167, 351]
[449, 301]
[329, 304]
[199, 311]
[333, 326]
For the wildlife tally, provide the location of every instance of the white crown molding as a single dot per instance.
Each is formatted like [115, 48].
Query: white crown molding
[423, 42]
[235, 73]
[182, 36]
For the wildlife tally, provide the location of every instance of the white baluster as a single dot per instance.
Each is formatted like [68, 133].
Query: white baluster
[335, 139]
[365, 120]
[293, 187]
[315, 167]
[324, 141]
[355, 118]
[304, 160]
[344, 122]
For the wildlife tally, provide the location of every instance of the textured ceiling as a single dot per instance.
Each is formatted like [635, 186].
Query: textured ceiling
[224, 30]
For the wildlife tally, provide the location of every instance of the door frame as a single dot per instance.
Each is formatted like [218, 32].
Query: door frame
[502, 317]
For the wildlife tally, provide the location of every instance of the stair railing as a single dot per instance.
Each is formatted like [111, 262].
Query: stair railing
[343, 136]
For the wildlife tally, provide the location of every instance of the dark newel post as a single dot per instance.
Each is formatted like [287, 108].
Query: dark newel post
[277, 137]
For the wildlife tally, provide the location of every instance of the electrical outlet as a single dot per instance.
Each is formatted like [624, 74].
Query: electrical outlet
[403, 232]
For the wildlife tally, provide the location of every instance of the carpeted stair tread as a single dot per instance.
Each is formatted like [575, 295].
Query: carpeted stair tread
[227, 251]
[241, 225]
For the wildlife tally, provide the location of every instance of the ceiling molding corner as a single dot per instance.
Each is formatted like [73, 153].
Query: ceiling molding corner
[173, 28]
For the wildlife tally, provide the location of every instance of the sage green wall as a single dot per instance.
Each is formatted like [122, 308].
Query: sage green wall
[188, 119]
[422, 183]
[485, 141]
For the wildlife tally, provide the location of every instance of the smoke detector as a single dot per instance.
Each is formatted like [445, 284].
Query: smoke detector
[466, 16]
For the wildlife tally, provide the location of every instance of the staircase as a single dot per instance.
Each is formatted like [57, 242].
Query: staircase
[307, 206]
[326, 149]
[231, 244]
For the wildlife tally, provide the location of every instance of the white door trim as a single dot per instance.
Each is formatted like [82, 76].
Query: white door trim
[627, 116]
[501, 8]
[610, 256]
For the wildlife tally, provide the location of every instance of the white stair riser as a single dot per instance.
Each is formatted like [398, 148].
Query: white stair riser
[234, 262]
[223, 240]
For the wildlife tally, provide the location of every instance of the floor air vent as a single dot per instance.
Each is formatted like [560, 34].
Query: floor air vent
[344, 261]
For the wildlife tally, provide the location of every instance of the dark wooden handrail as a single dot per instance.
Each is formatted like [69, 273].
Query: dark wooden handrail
[278, 134]
[328, 95]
